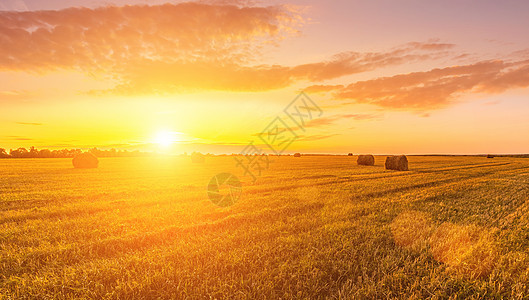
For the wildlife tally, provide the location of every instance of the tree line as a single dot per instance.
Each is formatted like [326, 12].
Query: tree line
[65, 153]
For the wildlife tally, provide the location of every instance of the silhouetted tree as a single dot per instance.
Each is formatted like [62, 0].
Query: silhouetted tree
[33, 152]
[3, 153]
[66, 153]
[45, 153]
[19, 153]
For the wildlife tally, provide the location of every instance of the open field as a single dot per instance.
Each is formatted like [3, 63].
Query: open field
[310, 227]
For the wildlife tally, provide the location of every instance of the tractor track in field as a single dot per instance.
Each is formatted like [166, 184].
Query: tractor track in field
[119, 245]
[267, 191]
[363, 178]
[115, 246]
[427, 184]
[423, 170]
[434, 170]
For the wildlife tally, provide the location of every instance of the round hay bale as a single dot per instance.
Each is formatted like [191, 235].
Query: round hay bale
[350, 154]
[85, 161]
[398, 163]
[490, 156]
[366, 160]
[197, 158]
[297, 154]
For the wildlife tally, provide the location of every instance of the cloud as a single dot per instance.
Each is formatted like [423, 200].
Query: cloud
[316, 137]
[15, 95]
[348, 63]
[168, 48]
[323, 121]
[16, 5]
[18, 138]
[29, 123]
[161, 77]
[431, 46]
[437, 88]
[109, 38]
[493, 102]
[156, 76]
[319, 88]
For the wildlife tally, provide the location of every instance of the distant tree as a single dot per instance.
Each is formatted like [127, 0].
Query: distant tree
[19, 153]
[45, 153]
[66, 153]
[3, 153]
[33, 152]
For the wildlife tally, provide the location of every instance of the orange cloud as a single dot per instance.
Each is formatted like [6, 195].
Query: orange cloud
[18, 138]
[316, 137]
[435, 88]
[29, 123]
[348, 63]
[109, 38]
[159, 76]
[321, 88]
[15, 95]
[172, 47]
[323, 121]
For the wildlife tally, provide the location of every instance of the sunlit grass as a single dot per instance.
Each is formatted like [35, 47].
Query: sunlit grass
[309, 227]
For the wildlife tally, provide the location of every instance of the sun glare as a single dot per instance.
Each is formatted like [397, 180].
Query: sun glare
[165, 138]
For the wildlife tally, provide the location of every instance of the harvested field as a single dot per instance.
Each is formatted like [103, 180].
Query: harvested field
[144, 227]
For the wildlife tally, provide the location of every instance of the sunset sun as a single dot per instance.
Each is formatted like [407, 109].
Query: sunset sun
[165, 138]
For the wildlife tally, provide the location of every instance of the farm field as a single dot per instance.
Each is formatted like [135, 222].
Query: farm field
[309, 227]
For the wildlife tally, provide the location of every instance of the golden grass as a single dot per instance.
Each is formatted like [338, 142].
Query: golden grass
[315, 227]
[411, 229]
[469, 250]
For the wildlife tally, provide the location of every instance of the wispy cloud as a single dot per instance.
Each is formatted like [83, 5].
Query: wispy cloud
[348, 63]
[13, 5]
[437, 88]
[18, 138]
[324, 121]
[175, 47]
[110, 38]
[29, 123]
[15, 95]
[149, 76]
[316, 137]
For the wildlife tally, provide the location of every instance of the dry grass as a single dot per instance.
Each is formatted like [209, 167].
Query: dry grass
[311, 228]
[411, 229]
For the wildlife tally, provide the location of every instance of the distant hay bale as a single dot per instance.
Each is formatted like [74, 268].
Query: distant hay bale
[350, 154]
[366, 160]
[398, 163]
[490, 156]
[85, 161]
[197, 158]
[297, 154]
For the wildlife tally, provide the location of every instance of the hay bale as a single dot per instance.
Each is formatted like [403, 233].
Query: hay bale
[297, 154]
[85, 161]
[350, 154]
[197, 158]
[398, 162]
[366, 160]
[490, 156]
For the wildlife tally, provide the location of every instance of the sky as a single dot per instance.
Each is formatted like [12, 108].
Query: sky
[381, 77]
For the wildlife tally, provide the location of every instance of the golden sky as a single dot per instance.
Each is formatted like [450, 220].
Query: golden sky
[389, 76]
